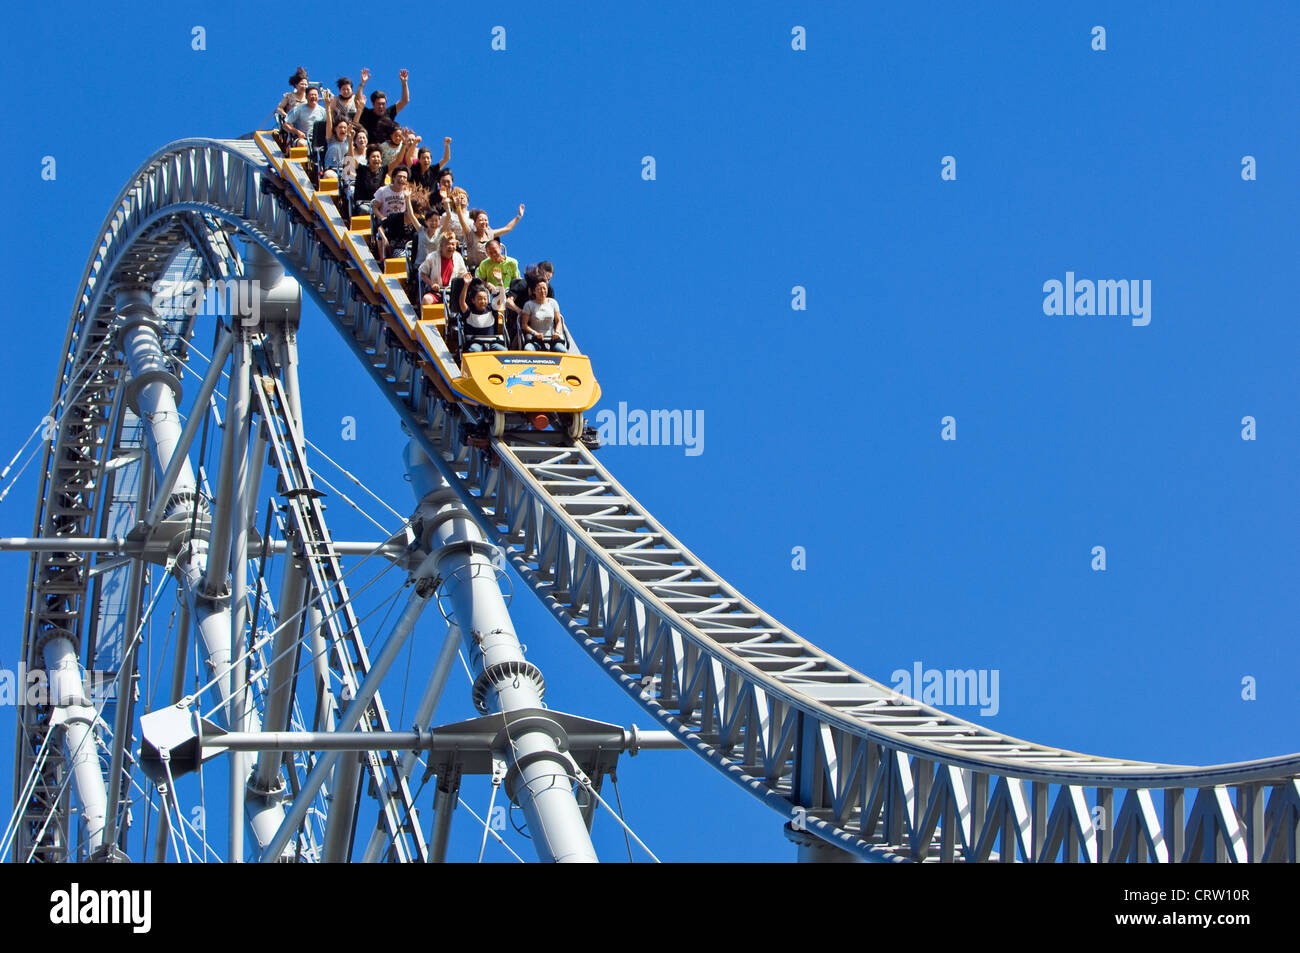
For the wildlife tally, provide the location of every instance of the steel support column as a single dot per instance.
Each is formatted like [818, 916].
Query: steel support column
[540, 777]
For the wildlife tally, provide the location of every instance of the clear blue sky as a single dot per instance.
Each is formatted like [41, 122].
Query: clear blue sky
[821, 168]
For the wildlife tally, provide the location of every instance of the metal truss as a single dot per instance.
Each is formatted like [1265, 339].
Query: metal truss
[843, 758]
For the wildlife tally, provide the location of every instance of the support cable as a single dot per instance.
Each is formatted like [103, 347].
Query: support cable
[260, 643]
[586, 783]
[496, 786]
[618, 798]
[93, 362]
[15, 819]
[342, 469]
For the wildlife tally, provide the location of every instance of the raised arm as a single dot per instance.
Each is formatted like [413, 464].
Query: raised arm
[468, 229]
[406, 93]
[412, 152]
[359, 94]
[446, 152]
[396, 160]
[498, 232]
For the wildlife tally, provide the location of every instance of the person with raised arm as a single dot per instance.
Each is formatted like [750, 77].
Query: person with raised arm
[425, 173]
[398, 146]
[391, 207]
[480, 320]
[338, 148]
[429, 237]
[478, 233]
[455, 219]
[379, 108]
[348, 104]
[356, 158]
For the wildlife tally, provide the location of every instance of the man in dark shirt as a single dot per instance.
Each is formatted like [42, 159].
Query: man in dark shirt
[425, 173]
[370, 178]
[440, 196]
[379, 108]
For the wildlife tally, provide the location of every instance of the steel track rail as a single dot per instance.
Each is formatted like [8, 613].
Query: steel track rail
[843, 757]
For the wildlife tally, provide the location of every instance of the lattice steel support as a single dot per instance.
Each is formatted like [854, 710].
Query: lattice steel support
[155, 391]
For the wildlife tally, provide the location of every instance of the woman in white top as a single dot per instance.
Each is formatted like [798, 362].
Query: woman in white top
[542, 326]
[458, 202]
[440, 270]
[356, 157]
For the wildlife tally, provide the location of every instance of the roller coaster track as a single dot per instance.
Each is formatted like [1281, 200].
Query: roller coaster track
[845, 760]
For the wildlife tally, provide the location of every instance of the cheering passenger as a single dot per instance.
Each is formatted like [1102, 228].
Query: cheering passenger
[480, 320]
[379, 109]
[391, 207]
[478, 233]
[425, 173]
[348, 105]
[429, 237]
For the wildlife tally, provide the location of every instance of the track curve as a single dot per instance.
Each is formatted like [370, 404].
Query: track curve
[841, 756]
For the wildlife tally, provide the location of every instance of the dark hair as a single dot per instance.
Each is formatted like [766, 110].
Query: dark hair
[385, 129]
[343, 81]
[299, 73]
[372, 150]
[377, 94]
[475, 213]
[446, 172]
[547, 265]
[424, 150]
[392, 173]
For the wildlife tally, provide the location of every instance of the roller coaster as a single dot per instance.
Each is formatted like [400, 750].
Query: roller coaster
[853, 770]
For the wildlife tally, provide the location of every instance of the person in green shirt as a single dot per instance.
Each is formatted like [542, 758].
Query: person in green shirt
[496, 269]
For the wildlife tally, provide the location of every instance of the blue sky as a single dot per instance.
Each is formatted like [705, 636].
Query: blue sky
[821, 168]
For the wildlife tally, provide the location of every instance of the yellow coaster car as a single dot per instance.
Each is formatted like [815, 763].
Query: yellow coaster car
[528, 381]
